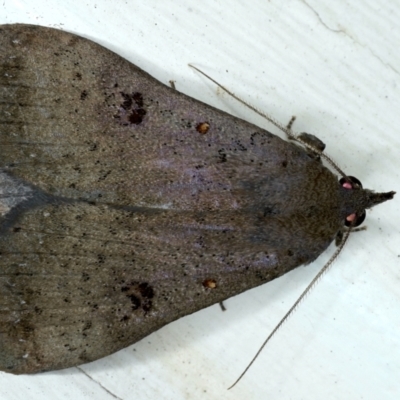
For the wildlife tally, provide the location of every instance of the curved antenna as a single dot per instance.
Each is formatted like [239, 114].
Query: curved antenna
[296, 304]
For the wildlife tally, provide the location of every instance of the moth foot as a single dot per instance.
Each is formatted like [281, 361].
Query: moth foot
[290, 123]
[340, 234]
[172, 84]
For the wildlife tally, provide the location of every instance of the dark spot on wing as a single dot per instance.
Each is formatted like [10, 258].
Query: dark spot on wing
[140, 295]
[84, 94]
[131, 110]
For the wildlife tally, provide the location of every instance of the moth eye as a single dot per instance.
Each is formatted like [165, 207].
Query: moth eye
[355, 220]
[350, 182]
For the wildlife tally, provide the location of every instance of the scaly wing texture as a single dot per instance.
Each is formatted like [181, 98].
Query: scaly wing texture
[126, 205]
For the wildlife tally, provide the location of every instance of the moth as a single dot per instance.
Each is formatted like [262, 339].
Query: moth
[126, 205]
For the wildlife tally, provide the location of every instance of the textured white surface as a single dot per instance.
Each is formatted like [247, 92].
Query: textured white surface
[335, 66]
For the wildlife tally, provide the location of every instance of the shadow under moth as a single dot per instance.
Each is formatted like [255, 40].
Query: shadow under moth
[125, 205]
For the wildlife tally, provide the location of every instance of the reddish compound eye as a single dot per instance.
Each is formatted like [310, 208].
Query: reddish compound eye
[350, 182]
[354, 219]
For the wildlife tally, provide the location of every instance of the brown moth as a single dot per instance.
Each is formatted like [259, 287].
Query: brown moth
[126, 205]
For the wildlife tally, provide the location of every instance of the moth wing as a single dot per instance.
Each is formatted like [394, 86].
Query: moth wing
[126, 205]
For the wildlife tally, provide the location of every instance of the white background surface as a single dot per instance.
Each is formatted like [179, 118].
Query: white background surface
[336, 67]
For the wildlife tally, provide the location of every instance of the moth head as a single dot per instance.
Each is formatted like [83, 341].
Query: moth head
[359, 200]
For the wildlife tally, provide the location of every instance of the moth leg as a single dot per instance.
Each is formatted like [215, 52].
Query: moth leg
[223, 308]
[340, 234]
[339, 238]
[310, 139]
[290, 123]
[172, 84]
